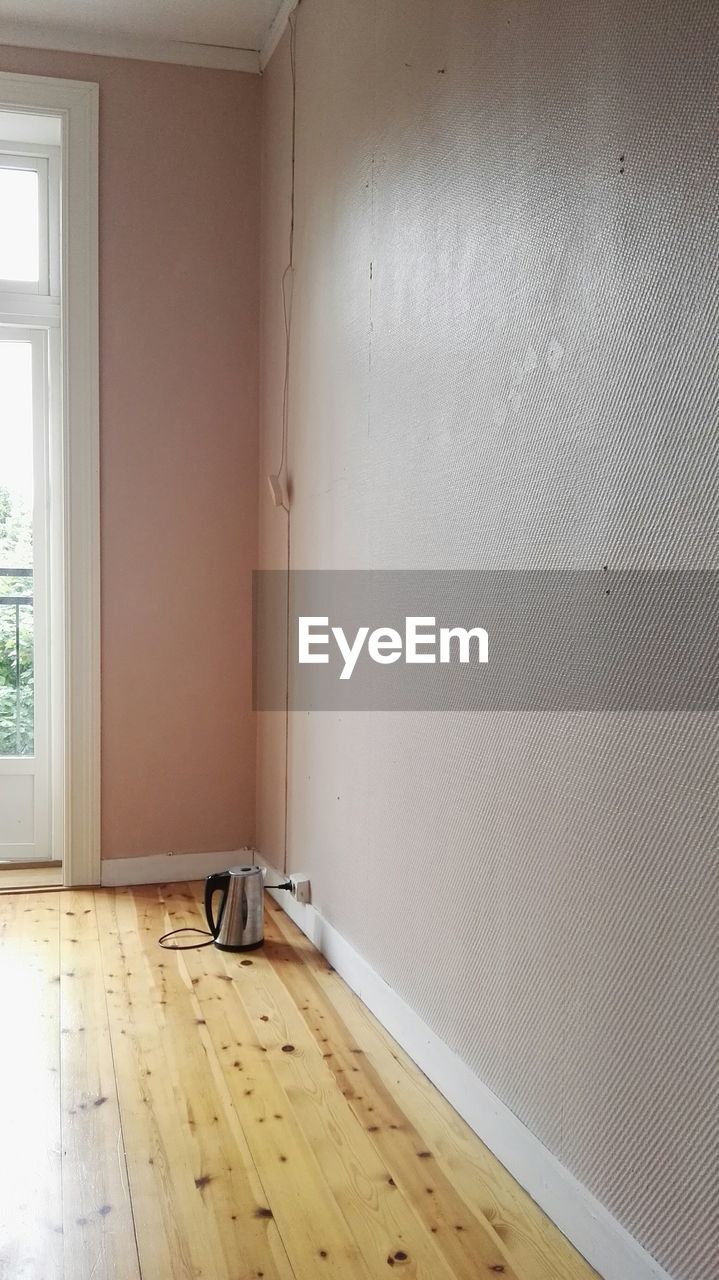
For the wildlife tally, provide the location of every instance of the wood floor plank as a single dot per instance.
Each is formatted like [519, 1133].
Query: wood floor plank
[30, 1170]
[362, 1161]
[213, 1213]
[151, 1167]
[311, 1223]
[467, 1240]
[98, 1227]
[537, 1247]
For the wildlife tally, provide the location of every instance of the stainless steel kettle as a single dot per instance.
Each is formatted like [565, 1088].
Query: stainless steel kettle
[240, 922]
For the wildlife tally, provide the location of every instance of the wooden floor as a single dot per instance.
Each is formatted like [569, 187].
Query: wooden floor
[200, 1115]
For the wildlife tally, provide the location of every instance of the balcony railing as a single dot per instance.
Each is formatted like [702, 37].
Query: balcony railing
[16, 663]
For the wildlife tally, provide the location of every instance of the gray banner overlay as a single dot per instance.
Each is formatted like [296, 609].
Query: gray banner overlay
[565, 640]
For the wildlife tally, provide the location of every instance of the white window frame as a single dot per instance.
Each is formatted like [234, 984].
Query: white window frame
[74, 383]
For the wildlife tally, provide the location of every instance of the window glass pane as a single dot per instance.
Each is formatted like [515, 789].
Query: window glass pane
[16, 578]
[19, 225]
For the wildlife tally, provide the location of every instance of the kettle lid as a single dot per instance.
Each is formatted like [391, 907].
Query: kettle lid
[244, 871]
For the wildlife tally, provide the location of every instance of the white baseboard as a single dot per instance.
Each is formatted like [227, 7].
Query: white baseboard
[603, 1241]
[163, 868]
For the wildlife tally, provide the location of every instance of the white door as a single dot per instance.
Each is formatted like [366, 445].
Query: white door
[24, 594]
[49, 476]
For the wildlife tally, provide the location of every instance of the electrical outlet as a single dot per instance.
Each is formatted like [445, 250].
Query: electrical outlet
[300, 888]
[300, 885]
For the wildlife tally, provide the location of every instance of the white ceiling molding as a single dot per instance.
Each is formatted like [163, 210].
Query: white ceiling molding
[276, 31]
[185, 53]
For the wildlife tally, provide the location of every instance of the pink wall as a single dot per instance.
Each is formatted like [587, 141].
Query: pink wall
[179, 203]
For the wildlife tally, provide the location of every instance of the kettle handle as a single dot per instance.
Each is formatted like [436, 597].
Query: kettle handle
[218, 880]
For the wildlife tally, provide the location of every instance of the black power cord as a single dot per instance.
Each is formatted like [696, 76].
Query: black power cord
[204, 933]
[186, 946]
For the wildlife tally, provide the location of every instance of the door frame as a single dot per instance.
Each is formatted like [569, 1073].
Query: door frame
[74, 380]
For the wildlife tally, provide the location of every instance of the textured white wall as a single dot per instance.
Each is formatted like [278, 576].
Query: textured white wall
[502, 356]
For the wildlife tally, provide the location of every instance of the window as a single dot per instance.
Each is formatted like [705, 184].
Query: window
[20, 200]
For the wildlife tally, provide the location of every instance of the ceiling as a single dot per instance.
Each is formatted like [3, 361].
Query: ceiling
[230, 33]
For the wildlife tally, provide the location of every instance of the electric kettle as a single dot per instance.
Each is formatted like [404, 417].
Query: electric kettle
[240, 922]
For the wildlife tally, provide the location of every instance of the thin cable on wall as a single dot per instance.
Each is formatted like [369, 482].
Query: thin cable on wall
[277, 480]
[288, 275]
